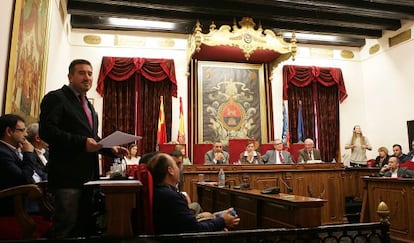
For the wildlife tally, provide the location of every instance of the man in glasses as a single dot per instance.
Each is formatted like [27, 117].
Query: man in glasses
[16, 157]
[277, 155]
[216, 155]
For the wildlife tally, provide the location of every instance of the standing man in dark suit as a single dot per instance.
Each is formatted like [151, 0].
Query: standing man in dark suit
[309, 152]
[69, 124]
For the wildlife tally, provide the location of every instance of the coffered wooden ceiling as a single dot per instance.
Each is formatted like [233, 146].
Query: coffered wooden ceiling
[350, 22]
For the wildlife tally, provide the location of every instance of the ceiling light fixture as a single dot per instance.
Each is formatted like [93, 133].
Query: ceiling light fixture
[139, 23]
[304, 36]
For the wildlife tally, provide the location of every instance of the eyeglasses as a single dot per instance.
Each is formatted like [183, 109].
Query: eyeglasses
[278, 143]
[20, 129]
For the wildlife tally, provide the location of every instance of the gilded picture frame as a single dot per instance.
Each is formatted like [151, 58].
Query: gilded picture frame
[232, 102]
[28, 59]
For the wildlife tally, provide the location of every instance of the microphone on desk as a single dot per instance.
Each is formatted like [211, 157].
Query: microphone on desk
[289, 189]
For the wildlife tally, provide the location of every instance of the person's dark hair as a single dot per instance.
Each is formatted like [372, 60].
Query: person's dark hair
[158, 166]
[77, 62]
[9, 120]
[129, 150]
[397, 145]
[177, 154]
[147, 157]
[393, 156]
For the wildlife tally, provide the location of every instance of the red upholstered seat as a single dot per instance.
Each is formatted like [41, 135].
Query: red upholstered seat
[370, 163]
[237, 146]
[265, 147]
[21, 225]
[145, 217]
[132, 170]
[199, 151]
[294, 150]
[408, 164]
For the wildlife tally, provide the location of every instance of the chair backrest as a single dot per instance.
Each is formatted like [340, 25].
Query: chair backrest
[294, 150]
[408, 164]
[200, 150]
[145, 217]
[237, 146]
[264, 147]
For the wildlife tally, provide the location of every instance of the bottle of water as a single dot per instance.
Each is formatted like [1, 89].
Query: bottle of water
[221, 178]
[333, 160]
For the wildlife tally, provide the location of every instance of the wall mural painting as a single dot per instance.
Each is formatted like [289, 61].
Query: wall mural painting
[232, 99]
[28, 54]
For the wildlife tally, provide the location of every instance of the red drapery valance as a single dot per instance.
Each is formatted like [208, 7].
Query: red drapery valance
[120, 69]
[302, 76]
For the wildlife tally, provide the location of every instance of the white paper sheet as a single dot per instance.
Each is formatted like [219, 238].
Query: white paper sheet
[118, 138]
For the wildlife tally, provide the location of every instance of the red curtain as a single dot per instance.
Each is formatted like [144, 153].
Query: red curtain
[131, 88]
[320, 90]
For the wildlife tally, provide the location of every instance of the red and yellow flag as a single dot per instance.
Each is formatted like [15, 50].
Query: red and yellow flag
[162, 129]
[181, 130]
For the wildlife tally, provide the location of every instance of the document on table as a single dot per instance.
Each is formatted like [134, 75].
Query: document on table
[118, 138]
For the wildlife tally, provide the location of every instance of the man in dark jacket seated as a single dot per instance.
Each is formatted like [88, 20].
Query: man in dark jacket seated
[393, 169]
[16, 157]
[170, 208]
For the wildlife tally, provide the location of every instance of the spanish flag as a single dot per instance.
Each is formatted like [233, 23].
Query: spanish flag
[181, 130]
[162, 129]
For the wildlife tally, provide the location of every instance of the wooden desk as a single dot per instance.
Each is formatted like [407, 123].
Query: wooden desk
[398, 194]
[329, 181]
[258, 210]
[120, 199]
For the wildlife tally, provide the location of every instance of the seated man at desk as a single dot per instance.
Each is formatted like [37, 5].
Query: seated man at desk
[216, 155]
[170, 208]
[277, 155]
[393, 169]
[309, 152]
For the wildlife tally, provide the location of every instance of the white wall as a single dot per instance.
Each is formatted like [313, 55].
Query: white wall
[379, 86]
[5, 30]
[59, 50]
[145, 47]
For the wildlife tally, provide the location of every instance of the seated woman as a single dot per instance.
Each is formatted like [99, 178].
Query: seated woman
[250, 156]
[382, 158]
[132, 160]
[133, 157]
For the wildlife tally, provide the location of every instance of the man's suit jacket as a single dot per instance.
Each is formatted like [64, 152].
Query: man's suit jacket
[65, 127]
[402, 172]
[303, 155]
[39, 167]
[13, 170]
[170, 206]
[209, 158]
[270, 157]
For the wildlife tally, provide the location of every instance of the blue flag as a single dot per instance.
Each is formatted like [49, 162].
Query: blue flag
[285, 130]
[301, 130]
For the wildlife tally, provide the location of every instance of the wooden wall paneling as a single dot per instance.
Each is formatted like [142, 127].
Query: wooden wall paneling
[398, 195]
[246, 209]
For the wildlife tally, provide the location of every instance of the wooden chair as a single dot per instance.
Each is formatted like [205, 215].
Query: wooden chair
[23, 225]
